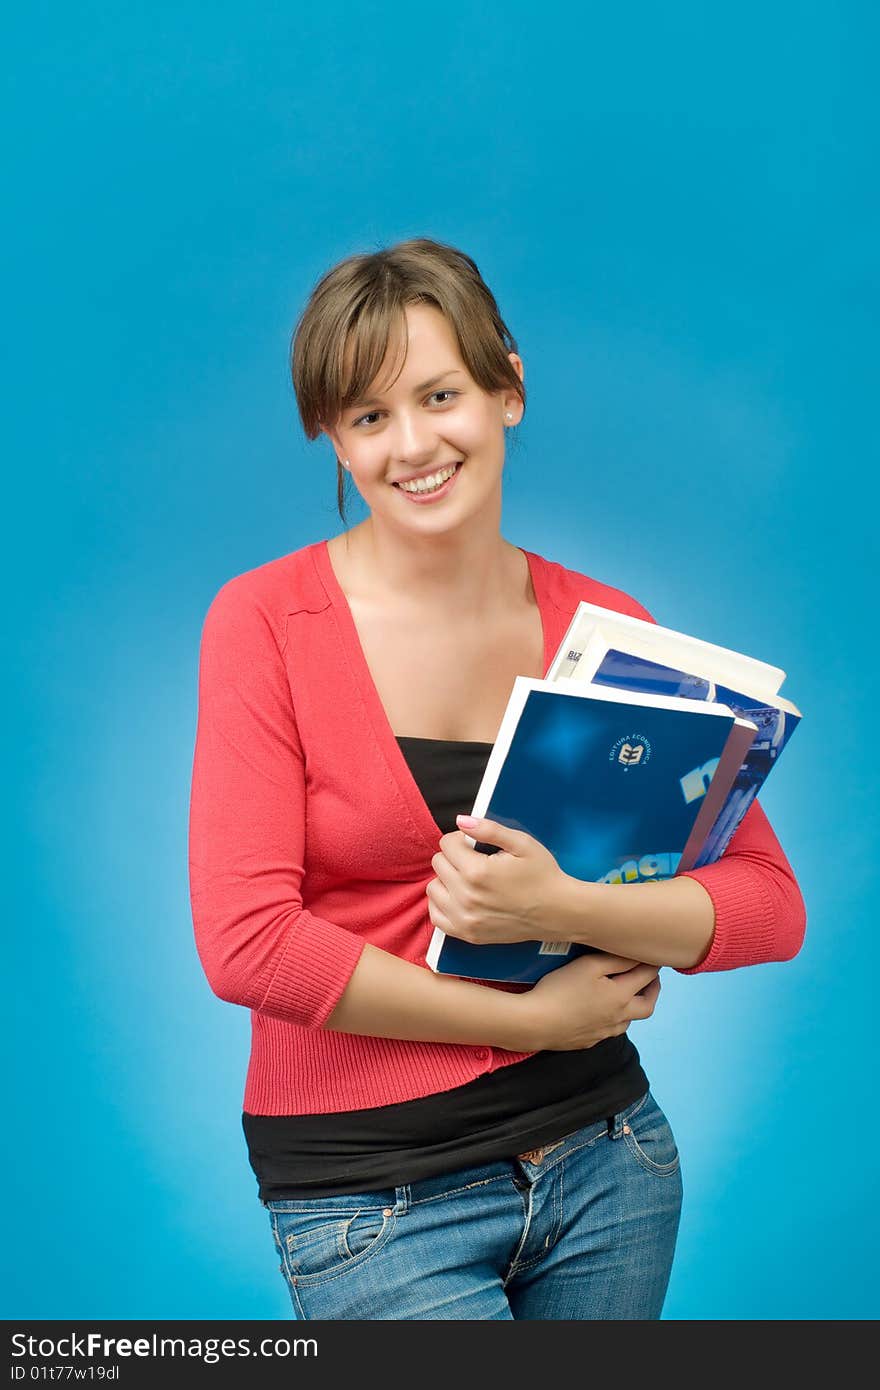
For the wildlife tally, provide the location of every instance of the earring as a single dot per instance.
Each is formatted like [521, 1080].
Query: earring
[345, 463]
[509, 416]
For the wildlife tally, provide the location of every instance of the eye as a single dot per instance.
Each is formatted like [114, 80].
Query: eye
[361, 418]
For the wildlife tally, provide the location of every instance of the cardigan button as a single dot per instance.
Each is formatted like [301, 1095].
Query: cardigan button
[482, 1054]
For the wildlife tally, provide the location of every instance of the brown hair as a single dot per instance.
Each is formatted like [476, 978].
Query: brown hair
[357, 306]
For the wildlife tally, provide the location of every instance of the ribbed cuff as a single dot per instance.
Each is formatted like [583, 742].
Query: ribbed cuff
[313, 973]
[743, 918]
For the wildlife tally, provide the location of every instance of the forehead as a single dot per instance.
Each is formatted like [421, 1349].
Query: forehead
[422, 348]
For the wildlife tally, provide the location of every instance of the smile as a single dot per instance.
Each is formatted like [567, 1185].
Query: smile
[434, 486]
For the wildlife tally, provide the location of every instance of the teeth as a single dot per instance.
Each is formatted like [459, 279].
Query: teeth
[431, 483]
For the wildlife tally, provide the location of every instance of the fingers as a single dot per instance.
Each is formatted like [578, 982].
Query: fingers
[607, 964]
[642, 1005]
[635, 979]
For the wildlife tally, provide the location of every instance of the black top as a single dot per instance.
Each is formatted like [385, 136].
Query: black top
[505, 1112]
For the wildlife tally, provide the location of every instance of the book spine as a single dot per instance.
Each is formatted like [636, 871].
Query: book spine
[740, 739]
[738, 802]
[758, 763]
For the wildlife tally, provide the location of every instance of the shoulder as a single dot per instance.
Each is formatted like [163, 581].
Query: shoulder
[569, 587]
[261, 599]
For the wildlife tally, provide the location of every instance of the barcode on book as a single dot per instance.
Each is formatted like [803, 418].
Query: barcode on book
[554, 948]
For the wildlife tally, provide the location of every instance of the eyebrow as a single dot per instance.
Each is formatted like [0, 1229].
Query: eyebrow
[423, 386]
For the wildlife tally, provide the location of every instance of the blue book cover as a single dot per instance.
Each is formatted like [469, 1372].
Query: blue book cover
[621, 787]
[775, 725]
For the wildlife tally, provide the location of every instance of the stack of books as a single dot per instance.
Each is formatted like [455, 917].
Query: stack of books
[635, 758]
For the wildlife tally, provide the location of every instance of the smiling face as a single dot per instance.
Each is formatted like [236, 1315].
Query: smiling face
[432, 417]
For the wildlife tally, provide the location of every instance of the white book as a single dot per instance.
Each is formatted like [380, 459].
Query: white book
[660, 644]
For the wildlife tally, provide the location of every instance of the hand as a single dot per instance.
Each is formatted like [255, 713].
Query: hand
[493, 898]
[594, 996]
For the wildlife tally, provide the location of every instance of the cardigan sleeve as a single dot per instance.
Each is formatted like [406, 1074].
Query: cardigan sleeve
[759, 910]
[258, 945]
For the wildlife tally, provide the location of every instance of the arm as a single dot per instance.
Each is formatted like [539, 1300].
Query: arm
[258, 945]
[744, 909]
[261, 948]
[576, 1006]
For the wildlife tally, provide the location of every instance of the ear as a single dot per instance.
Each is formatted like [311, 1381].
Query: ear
[334, 439]
[512, 401]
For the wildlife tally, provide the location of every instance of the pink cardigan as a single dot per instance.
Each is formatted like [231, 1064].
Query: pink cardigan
[309, 836]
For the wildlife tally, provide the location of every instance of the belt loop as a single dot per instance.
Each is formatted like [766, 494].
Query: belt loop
[402, 1199]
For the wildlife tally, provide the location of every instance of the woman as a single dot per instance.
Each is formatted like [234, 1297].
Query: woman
[429, 1147]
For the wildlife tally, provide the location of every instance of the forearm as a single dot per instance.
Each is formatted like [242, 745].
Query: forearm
[387, 997]
[670, 922]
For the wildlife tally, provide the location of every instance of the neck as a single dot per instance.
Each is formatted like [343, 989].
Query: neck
[466, 572]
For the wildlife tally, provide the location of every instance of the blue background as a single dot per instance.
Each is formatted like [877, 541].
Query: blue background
[677, 211]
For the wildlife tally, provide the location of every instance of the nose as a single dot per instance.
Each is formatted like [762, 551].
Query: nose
[414, 440]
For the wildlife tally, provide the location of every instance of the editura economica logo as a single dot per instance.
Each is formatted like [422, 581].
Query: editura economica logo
[633, 750]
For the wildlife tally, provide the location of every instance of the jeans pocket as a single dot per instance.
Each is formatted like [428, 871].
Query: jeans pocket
[323, 1241]
[648, 1137]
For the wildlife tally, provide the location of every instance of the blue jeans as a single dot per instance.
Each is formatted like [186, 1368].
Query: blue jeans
[582, 1228]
